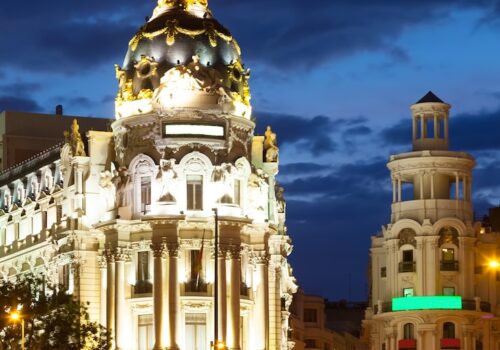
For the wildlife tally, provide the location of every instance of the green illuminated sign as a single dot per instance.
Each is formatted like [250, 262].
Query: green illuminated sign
[427, 303]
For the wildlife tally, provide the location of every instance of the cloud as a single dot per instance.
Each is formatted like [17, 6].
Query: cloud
[12, 103]
[71, 36]
[300, 35]
[303, 168]
[312, 134]
[20, 88]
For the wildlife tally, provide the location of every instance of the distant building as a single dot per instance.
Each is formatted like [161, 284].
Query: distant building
[24, 135]
[434, 280]
[345, 316]
[310, 326]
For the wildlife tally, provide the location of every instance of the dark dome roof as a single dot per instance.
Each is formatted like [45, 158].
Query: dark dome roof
[172, 37]
[430, 97]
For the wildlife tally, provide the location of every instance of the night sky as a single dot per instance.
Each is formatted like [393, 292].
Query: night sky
[334, 78]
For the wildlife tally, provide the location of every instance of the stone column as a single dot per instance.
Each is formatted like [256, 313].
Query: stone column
[110, 292]
[436, 126]
[120, 318]
[222, 291]
[174, 298]
[103, 296]
[393, 190]
[414, 131]
[421, 179]
[261, 303]
[158, 303]
[233, 339]
[399, 189]
[432, 184]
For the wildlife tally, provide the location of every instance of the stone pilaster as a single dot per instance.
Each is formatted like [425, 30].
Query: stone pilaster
[121, 256]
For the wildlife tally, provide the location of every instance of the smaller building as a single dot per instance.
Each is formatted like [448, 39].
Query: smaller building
[25, 135]
[309, 323]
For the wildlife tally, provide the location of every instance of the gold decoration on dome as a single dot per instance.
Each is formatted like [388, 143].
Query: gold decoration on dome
[189, 4]
[146, 67]
[236, 46]
[145, 94]
[247, 96]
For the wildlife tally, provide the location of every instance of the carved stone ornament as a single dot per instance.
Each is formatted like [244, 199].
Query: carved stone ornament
[407, 236]
[448, 235]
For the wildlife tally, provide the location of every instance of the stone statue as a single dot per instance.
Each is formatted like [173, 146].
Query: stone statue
[221, 176]
[208, 78]
[74, 139]
[167, 174]
[108, 189]
[122, 185]
[271, 146]
[280, 198]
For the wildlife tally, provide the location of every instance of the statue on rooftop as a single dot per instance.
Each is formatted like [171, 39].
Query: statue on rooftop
[271, 149]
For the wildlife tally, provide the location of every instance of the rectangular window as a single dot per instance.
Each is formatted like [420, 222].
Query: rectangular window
[145, 192]
[310, 343]
[408, 292]
[448, 254]
[237, 192]
[145, 334]
[448, 291]
[195, 192]
[196, 329]
[66, 277]
[383, 271]
[407, 255]
[310, 315]
[143, 284]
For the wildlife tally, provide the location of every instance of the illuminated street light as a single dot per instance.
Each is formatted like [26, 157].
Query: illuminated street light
[15, 316]
[494, 264]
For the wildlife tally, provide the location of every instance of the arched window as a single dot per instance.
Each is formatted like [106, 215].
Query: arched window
[408, 331]
[449, 330]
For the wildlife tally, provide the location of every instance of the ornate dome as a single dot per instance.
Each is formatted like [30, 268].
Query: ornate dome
[183, 47]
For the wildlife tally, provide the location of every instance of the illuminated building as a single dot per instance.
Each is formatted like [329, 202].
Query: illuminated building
[126, 223]
[434, 274]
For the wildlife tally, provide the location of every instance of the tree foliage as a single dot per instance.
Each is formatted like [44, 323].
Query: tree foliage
[53, 319]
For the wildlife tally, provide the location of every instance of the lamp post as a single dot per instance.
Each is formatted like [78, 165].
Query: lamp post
[217, 344]
[16, 316]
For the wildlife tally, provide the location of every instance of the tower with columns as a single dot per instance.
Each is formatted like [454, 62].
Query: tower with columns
[431, 284]
[127, 221]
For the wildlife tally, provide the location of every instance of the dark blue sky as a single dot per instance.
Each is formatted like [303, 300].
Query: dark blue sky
[334, 78]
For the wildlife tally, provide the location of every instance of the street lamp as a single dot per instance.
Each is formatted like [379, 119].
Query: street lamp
[15, 316]
[216, 344]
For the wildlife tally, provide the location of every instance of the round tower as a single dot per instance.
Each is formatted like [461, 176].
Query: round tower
[424, 284]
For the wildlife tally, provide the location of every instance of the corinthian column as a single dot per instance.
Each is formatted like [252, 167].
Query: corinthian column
[120, 318]
[103, 292]
[174, 298]
[233, 339]
[110, 292]
[158, 302]
[222, 287]
[260, 323]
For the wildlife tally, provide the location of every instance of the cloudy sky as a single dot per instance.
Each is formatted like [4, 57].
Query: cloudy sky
[334, 78]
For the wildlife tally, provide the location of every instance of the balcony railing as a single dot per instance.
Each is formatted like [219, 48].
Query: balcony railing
[449, 265]
[407, 266]
[195, 286]
[484, 306]
[142, 287]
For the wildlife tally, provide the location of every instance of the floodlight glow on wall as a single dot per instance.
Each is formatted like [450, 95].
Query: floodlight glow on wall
[427, 303]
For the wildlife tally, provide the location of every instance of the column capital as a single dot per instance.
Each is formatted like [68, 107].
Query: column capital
[159, 249]
[173, 249]
[122, 254]
[234, 251]
[102, 260]
[109, 255]
[260, 258]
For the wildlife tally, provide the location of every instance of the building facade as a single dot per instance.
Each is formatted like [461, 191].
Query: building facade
[310, 326]
[127, 221]
[433, 280]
